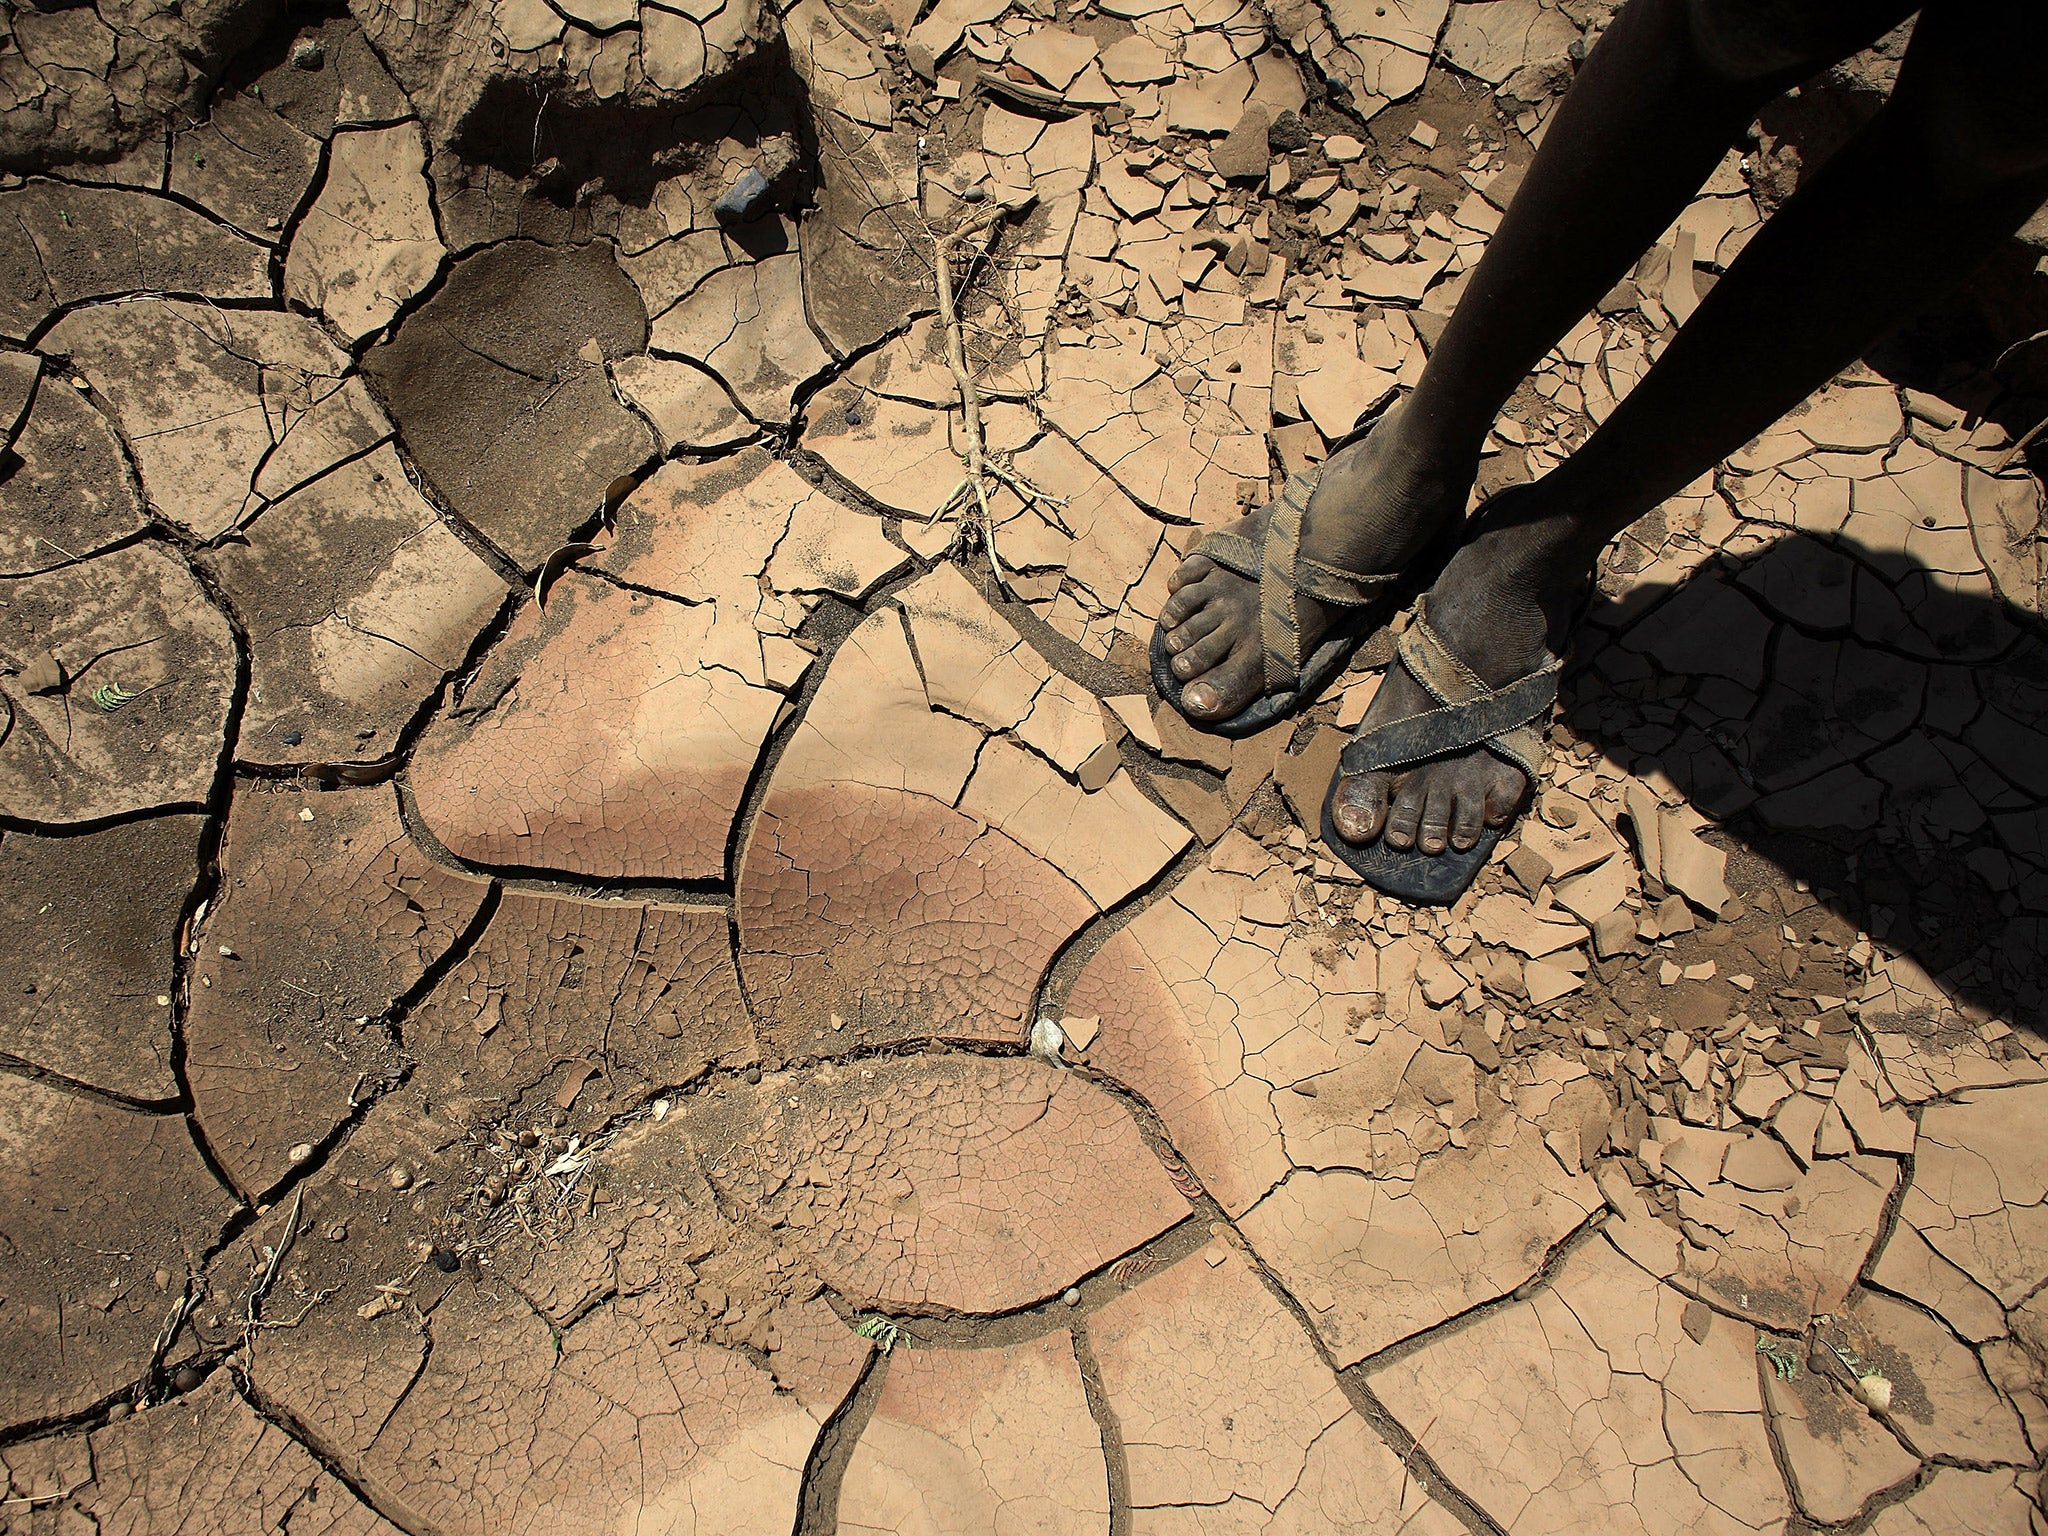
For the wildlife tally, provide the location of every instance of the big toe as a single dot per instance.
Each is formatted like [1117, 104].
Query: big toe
[1360, 806]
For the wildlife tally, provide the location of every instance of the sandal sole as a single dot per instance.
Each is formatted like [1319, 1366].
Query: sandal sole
[1422, 879]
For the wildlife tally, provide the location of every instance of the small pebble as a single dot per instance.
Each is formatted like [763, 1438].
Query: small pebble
[973, 194]
[119, 1411]
[187, 1378]
[747, 199]
[400, 1179]
[1071, 1296]
[293, 738]
[446, 1261]
[753, 1075]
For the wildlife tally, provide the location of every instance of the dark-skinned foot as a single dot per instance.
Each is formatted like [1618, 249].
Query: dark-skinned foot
[1499, 605]
[1379, 504]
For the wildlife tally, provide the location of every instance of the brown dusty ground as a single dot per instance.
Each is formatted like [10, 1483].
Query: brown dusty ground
[583, 950]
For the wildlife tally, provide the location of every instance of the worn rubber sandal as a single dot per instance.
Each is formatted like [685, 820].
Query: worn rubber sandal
[1506, 721]
[1294, 676]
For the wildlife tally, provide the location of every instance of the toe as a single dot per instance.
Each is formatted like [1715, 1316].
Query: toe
[1361, 806]
[1190, 571]
[1211, 650]
[1213, 591]
[1184, 635]
[1185, 603]
[1438, 799]
[1468, 819]
[1504, 798]
[1404, 812]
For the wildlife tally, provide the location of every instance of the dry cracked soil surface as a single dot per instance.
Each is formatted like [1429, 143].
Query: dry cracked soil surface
[592, 942]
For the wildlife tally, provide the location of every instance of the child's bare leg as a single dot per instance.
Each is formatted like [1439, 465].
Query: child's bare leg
[1956, 161]
[1669, 88]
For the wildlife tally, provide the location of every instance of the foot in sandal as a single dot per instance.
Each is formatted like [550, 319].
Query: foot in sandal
[1444, 757]
[1237, 649]
[1922, 193]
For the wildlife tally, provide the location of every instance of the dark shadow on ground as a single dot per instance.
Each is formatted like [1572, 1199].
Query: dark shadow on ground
[1854, 722]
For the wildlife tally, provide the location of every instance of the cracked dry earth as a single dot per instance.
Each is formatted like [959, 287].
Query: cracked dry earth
[536, 825]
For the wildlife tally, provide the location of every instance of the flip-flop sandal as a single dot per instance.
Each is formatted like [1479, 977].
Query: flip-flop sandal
[1508, 722]
[1294, 675]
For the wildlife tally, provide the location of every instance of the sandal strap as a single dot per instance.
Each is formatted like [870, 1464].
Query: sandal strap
[1279, 599]
[1470, 713]
[1322, 581]
[1284, 574]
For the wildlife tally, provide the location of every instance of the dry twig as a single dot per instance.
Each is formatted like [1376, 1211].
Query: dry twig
[948, 247]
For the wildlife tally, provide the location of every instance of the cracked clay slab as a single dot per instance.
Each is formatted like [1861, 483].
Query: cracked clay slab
[637, 997]
[357, 600]
[907, 876]
[1230, 1422]
[940, 1182]
[88, 940]
[327, 915]
[598, 740]
[969, 1441]
[614, 733]
[499, 386]
[747, 325]
[1589, 1409]
[1980, 1188]
[578, 1384]
[1838, 1456]
[209, 1451]
[116, 676]
[368, 243]
[67, 492]
[109, 1211]
[225, 410]
[1184, 1007]
[69, 243]
[1377, 1260]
